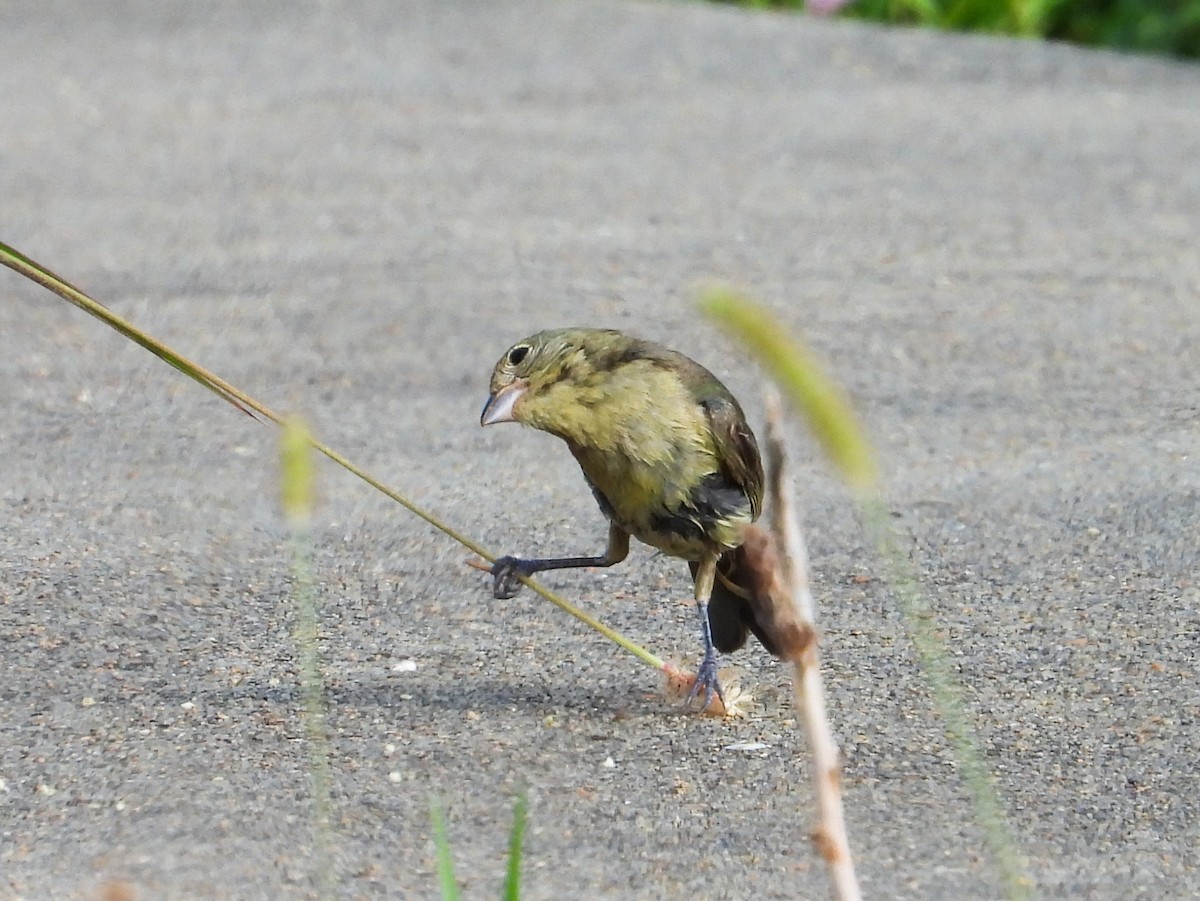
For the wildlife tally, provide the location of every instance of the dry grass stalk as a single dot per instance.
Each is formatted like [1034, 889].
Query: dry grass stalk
[784, 606]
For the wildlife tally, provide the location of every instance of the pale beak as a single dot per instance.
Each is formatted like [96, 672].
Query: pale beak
[499, 407]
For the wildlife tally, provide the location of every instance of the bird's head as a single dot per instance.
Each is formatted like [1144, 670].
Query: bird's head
[523, 376]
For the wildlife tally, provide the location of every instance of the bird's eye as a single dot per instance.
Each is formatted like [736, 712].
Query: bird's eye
[517, 354]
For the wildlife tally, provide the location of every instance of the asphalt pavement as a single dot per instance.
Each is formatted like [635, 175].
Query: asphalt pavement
[349, 210]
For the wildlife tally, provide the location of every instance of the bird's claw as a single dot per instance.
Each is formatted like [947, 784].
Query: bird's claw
[506, 577]
[707, 681]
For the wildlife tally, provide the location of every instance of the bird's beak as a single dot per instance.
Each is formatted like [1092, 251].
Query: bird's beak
[499, 407]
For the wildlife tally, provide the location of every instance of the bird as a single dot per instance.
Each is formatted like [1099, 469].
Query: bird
[668, 455]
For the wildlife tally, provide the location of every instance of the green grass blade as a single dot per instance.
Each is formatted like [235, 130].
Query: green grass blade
[836, 428]
[296, 474]
[296, 495]
[938, 672]
[445, 860]
[794, 370]
[512, 883]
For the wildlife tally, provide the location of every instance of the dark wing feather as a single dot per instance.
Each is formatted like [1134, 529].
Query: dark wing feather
[732, 616]
[736, 446]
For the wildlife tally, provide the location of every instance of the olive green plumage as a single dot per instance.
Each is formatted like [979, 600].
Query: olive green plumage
[661, 441]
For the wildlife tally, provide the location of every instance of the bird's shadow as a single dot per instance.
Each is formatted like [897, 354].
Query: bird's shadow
[536, 697]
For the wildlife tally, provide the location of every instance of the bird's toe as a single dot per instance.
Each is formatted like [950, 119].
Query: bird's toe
[707, 684]
[506, 577]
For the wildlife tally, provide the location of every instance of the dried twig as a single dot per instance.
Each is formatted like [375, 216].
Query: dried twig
[784, 607]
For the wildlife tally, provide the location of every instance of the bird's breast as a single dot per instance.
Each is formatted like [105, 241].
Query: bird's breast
[685, 508]
[646, 446]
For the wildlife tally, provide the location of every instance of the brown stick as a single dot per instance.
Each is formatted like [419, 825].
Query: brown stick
[792, 613]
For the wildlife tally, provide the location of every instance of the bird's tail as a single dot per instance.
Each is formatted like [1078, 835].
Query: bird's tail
[733, 612]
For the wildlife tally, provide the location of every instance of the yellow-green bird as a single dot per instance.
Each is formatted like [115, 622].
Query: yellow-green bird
[666, 451]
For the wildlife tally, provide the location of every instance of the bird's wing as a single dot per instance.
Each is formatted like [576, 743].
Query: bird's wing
[736, 448]
[733, 440]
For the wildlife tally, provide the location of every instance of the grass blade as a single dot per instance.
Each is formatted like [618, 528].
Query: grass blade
[512, 882]
[445, 860]
[835, 426]
[820, 401]
[297, 494]
[38, 273]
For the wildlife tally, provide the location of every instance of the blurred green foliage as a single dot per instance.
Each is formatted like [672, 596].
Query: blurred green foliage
[1150, 26]
[1017, 17]
[1156, 26]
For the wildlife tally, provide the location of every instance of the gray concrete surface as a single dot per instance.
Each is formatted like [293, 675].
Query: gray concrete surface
[351, 209]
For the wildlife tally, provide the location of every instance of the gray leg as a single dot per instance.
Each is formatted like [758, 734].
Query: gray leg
[507, 571]
[706, 675]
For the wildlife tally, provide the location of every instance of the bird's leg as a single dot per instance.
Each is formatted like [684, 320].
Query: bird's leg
[507, 571]
[706, 675]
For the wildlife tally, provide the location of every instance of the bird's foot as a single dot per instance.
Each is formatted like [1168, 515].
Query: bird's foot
[707, 684]
[506, 576]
